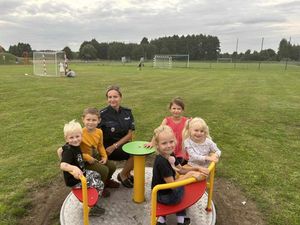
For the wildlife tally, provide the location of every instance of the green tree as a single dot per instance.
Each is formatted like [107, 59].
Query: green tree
[284, 50]
[102, 51]
[88, 52]
[295, 52]
[144, 41]
[18, 50]
[268, 55]
[116, 50]
[137, 52]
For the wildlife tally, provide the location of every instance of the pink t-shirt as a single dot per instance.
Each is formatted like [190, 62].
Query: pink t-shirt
[177, 129]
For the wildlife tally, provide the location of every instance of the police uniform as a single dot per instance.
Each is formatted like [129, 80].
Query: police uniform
[115, 125]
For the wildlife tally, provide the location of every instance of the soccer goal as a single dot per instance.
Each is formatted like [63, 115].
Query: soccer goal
[170, 61]
[48, 63]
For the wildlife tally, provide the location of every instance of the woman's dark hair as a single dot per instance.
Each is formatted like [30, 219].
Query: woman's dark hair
[115, 88]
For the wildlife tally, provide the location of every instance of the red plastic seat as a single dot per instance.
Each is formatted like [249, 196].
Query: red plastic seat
[192, 193]
[92, 195]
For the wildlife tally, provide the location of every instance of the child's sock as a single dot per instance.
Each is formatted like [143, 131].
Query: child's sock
[161, 219]
[180, 219]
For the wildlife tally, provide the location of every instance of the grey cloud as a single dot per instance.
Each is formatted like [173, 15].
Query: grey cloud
[289, 7]
[56, 24]
[259, 20]
[9, 6]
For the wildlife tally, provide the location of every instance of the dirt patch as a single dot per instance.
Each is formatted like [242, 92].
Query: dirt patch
[46, 203]
[232, 206]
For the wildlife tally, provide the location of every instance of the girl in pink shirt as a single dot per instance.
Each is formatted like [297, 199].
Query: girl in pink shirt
[177, 122]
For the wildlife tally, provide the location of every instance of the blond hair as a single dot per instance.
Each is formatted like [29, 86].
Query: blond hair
[159, 130]
[72, 127]
[197, 121]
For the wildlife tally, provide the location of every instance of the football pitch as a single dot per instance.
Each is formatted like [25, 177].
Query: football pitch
[253, 116]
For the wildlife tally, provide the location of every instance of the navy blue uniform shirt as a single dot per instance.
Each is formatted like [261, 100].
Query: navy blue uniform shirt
[115, 124]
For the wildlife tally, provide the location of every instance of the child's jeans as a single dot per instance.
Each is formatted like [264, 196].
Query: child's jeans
[93, 179]
[173, 198]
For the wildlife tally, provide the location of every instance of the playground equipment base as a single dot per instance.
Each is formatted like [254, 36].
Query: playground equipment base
[121, 210]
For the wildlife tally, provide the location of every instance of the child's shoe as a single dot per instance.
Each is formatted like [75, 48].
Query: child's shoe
[131, 178]
[96, 211]
[105, 193]
[187, 221]
[112, 184]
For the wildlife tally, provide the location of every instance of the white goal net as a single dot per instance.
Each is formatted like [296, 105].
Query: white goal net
[170, 61]
[48, 63]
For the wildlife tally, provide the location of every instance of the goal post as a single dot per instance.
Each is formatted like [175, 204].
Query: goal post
[170, 61]
[48, 63]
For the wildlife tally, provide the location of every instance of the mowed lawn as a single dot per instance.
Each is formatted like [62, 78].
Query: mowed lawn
[253, 115]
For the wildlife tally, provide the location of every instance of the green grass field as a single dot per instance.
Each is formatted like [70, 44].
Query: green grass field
[253, 115]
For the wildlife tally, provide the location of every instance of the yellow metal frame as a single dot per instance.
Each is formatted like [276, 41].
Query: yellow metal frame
[209, 185]
[139, 182]
[85, 201]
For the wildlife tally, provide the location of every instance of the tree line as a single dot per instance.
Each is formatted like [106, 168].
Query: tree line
[199, 47]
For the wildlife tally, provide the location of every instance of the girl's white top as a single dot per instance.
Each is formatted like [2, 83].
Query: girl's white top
[197, 152]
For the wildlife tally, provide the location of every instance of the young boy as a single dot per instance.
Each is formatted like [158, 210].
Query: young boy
[93, 150]
[73, 166]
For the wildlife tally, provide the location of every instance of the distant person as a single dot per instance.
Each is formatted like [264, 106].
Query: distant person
[73, 166]
[141, 63]
[61, 69]
[70, 73]
[163, 172]
[177, 122]
[198, 144]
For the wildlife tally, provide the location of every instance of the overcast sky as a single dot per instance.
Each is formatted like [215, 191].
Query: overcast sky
[55, 24]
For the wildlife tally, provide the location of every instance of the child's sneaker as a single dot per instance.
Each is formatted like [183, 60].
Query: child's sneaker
[187, 221]
[105, 193]
[112, 184]
[96, 211]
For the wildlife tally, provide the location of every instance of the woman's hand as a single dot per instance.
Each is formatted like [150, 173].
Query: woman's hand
[110, 149]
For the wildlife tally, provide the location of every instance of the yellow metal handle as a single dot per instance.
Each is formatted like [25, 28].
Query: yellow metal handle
[85, 201]
[210, 185]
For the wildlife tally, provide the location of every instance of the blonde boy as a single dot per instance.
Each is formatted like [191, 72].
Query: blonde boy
[72, 163]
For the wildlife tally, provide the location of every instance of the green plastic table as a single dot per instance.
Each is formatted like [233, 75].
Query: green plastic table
[137, 149]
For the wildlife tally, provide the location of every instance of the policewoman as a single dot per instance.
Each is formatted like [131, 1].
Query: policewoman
[117, 124]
